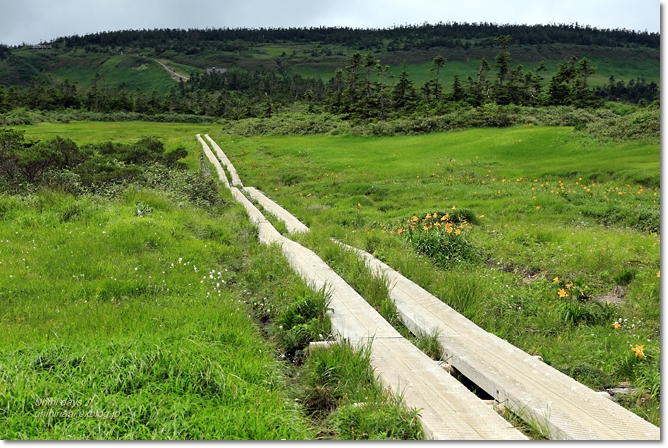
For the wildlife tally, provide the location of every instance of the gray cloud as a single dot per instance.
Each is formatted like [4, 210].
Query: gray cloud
[32, 21]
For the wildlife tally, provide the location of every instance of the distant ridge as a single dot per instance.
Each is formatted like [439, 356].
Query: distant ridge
[449, 34]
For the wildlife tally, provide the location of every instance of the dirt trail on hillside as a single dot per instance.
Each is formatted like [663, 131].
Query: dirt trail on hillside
[175, 76]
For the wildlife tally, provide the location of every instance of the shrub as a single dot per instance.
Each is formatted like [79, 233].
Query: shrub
[643, 124]
[575, 313]
[442, 237]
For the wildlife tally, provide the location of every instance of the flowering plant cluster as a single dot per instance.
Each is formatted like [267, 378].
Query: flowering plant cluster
[442, 237]
[575, 289]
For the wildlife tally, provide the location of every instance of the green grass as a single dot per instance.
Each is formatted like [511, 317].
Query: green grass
[136, 72]
[83, 132]
[421, 72]
[361, 190]
[547, 204]
[134, 315]
[124, 325]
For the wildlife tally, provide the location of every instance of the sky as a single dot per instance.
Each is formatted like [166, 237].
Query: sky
[35, 21]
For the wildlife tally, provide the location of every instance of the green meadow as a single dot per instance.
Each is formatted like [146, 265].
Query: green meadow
[148, 310]
[555, 248]
[560, 253]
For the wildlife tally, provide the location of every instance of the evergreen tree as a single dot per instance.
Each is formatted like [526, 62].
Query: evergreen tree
[457, 90]
[561, 84]
[404, 95]
[438, 62]
[353, 81]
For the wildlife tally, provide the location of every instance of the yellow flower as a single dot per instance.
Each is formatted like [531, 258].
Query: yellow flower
[617, 325]
[454, 208]
[457, 232]
[555, 279]
[400, 231]
[563, 293]
[658, 274]
[448, 228]
[414, 218]
[569, 285]
[359, 205]
[425, 228]
[538, 207]
[428, 216]
[445, 217]
[639, 351]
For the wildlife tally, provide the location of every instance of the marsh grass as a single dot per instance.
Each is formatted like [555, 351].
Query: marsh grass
[548, 203]
[119, 322]
[340, 381]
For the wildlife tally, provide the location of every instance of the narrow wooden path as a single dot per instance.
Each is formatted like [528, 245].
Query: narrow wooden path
[529, 387]
[525, 384]
[448, 411]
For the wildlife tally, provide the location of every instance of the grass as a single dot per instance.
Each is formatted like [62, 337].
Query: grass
[168, 351]
[547, 203]
[137, 315]
[136, 72]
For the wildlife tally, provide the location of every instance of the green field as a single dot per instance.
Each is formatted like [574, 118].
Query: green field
[545, 204]
[561, 242]
[149, 310]
[420, 73]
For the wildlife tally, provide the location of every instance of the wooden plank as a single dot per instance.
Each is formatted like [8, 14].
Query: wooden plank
[531, 388]
[292, 224]
[212, 159]
[223, 158]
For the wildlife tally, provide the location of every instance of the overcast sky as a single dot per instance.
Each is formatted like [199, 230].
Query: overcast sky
[32, 21]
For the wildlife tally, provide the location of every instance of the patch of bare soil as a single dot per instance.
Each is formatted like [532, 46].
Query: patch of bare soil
[614, 296]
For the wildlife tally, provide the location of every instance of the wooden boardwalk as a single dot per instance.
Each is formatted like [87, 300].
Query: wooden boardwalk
[292, 224]
[525, 384]
[529, 387]
[223, 158]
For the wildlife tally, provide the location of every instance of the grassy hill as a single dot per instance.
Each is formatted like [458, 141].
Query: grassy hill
[133, 65]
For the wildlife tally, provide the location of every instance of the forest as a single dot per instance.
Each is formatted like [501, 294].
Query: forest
[362, 87]
[401, 37]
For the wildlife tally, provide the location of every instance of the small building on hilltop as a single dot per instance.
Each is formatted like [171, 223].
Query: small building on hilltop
[215, 70]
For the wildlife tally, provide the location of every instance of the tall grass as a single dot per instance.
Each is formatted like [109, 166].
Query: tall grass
[548, 203]
[125, 325]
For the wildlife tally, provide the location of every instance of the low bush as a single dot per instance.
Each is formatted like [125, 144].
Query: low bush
[442, 237]
[641, 125]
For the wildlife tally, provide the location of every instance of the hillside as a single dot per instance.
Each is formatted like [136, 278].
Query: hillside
[129, 59]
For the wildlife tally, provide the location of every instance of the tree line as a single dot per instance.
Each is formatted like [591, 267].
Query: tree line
[362, 89]
[400, 37]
